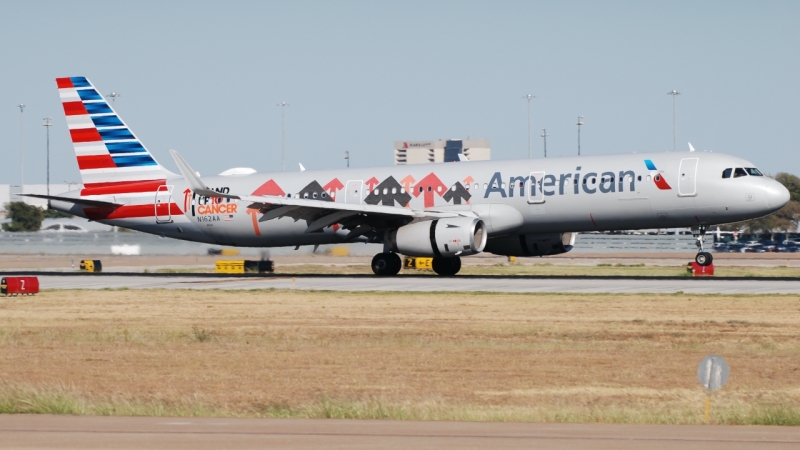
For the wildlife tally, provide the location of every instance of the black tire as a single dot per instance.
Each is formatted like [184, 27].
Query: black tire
[446, 266]
[703, 259]
[381, 264]
[386, 264]
[397, 264]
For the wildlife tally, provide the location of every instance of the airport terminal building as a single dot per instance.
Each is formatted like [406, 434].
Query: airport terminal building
[422, 152]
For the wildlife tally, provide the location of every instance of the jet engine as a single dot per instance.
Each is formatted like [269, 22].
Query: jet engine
[532, 244]
[454, 236]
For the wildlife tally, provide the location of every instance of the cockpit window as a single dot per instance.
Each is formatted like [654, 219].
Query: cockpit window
[727, 173]
[739, 172]
[754, 172]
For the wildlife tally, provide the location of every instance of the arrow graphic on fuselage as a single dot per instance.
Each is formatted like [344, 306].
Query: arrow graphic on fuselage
[407, 182]
[254, 215]
[333, 186]
[428, 186]
[269, 188]
[371, 183]
[187, 194]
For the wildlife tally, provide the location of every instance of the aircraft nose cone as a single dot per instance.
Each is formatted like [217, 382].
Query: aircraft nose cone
[777, 195]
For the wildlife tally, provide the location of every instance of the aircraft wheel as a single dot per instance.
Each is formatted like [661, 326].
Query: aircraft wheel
[446, 266]
[703, 258]
[384, 264]
[397, 264]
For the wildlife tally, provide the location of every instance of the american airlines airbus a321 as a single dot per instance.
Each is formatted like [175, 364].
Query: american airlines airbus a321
[531, 207]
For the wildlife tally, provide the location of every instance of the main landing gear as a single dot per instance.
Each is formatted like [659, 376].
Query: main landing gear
[388, 264]
[446, 266]
[702, 257]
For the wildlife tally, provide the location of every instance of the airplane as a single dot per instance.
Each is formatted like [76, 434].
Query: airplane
[530, 207]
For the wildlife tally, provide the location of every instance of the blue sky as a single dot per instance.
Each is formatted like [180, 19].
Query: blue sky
[204, 78]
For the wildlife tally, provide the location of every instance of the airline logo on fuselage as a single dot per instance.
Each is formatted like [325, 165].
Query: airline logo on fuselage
[550, 184]
[658, 178]
[576, 183]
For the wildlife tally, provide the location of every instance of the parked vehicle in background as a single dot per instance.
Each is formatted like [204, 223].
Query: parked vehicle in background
[768, 246]
[733, 247]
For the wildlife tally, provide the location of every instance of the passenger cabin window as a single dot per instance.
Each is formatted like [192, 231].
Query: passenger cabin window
[753, 171]
[739, 172]
[727, 173]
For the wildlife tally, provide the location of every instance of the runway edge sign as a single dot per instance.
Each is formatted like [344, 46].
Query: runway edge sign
[713, 374]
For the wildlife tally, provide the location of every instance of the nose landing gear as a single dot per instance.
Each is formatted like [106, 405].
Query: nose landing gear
[702, 257]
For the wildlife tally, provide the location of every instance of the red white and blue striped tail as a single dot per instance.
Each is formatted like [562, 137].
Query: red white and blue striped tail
[110, 157]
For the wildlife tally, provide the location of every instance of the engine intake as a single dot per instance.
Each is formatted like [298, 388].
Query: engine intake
[532, 244]
[456, 236]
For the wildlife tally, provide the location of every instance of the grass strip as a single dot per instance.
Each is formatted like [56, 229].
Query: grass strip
[23, 399]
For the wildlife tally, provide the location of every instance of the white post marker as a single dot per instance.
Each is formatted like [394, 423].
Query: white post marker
[712, 374]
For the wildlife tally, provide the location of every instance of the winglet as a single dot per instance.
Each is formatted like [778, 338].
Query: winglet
[691, 147]
[195, 183]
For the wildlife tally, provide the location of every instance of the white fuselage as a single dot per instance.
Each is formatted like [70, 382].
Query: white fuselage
[587, 193]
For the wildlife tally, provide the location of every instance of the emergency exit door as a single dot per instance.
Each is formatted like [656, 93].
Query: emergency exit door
[355, 192]
[687, 185]
[163, 202]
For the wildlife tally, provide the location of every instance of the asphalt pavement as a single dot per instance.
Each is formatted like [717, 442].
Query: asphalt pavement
[92, 432]
[429, 283]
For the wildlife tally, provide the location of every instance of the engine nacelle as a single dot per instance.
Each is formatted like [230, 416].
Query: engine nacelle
[532, 244]
[455, 236]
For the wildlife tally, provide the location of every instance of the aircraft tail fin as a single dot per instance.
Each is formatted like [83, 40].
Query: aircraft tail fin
[108, 152]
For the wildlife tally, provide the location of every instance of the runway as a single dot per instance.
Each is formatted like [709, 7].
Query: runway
[427, 283]
[90, 432]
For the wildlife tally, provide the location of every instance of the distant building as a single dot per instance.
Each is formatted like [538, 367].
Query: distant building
[422, 152]
[8, 193]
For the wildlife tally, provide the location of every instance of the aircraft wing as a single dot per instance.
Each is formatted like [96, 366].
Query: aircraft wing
[360, 219]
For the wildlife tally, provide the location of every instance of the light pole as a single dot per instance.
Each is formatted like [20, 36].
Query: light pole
[544, 135]
[113, 96]
[529, 97]
[283, 106]
[674, 94]
[47, 123]
[21, 107]
[347, 157]
[579, 124]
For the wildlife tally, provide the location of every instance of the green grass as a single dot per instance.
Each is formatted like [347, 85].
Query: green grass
[548, 269]
[65, 400]
[622, 270]
[183, 270]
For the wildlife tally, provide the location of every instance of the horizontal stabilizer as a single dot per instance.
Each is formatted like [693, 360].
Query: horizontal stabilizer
[77, 201]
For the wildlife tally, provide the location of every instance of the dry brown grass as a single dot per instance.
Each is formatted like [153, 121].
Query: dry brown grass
[629, 358]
